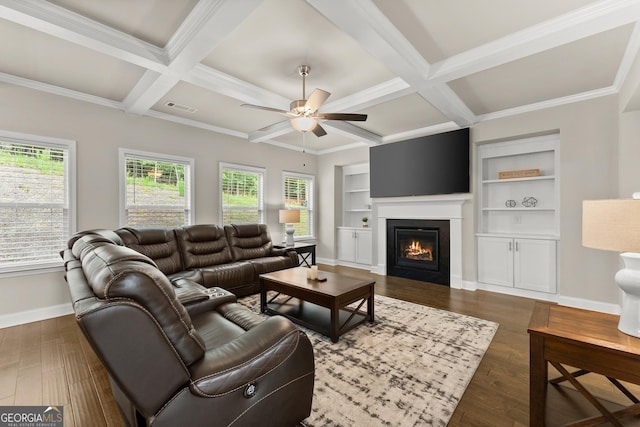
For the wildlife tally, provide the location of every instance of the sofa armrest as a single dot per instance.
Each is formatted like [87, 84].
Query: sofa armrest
[281, 251]
[198, 299]
[247, 358]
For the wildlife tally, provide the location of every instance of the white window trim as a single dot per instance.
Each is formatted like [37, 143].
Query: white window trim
[312, 201]
[122, 183]
[243, 168]
[70, 168]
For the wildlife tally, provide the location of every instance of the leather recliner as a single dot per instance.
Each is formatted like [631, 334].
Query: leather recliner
[205, 360]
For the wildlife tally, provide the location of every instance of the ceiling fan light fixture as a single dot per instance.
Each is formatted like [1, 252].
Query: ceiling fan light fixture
[304, 124]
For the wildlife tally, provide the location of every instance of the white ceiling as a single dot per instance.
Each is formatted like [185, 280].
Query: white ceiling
[415, 67]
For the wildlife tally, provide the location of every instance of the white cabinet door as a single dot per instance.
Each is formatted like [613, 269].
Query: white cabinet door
[346, 245]
[495, 260]
[363, 247]
[535, 264]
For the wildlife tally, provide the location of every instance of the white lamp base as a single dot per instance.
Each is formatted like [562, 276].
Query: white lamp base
[629, 281]
[289, 230]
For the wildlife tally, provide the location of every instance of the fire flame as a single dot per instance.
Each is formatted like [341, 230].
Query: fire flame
[415, 250]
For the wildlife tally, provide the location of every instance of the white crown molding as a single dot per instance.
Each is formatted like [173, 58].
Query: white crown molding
[194, 123]
[343, 148]
[57, 90]
[416, 133]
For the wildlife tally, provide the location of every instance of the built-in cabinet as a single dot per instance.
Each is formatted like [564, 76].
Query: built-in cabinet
[355, 240]
[356, 201]
[518, 213]
[354, 245]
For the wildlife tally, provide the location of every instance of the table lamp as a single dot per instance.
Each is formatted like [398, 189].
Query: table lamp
[614, 225]
[289, 217]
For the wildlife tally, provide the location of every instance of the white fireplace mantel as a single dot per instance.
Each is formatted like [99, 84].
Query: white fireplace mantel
[444, 207]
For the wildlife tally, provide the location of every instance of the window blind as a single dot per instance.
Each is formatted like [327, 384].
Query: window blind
[34, 205]
[242, 193]
[298, 194]
[157, 192]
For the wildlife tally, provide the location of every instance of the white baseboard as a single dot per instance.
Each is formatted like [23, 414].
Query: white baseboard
[326, 261]
[589, 304]
[22, 317]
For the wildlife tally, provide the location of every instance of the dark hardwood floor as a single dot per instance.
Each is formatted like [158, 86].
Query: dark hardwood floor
[50, 363]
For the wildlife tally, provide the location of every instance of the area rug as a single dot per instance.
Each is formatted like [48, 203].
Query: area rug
[409, 368]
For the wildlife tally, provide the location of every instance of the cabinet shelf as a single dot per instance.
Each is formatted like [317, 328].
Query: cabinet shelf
[524, 180]
[358, 190]
[518, 209]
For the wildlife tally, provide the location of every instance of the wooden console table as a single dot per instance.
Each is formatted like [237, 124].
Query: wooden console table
[583, 339]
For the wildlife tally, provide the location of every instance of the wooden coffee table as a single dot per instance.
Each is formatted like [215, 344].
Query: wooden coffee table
[318, 305]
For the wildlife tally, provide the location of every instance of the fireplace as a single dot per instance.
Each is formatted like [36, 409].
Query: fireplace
[418, 249]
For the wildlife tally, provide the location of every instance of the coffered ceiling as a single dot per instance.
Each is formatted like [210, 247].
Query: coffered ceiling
[414, 67]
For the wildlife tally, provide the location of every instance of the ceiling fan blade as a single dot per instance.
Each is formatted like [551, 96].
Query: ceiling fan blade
[260, 107]
[271, 126]
[319, 131]
[316, 99]
[351, 117]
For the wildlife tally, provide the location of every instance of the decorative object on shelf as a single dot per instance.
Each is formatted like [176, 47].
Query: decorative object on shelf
[510, 203]
[289, 217]
[365, 221]
[614, 225]
[529, 202]
[522, 173]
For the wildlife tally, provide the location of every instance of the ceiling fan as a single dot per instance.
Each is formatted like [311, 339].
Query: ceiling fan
[304, 112]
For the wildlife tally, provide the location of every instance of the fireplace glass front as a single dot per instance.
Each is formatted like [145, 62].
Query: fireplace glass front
[416, 248]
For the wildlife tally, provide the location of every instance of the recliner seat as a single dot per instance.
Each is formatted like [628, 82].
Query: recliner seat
[204, 361]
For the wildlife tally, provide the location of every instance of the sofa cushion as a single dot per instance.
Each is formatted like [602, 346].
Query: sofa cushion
[272, 263]
[229, 276]
[120, 273]
[202, 245]
[249, 241]
[158, 243]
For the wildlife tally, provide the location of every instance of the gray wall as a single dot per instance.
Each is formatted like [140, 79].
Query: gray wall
[589, 170]
[99, 132]
[598, 145]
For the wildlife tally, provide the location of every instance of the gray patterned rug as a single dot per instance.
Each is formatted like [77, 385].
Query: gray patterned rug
[409, 368]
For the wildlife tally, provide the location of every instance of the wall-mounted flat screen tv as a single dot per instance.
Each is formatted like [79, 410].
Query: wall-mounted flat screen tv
[434, 164]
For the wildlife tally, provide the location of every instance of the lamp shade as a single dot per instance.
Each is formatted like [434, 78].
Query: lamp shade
[612, 225]
[289, 216]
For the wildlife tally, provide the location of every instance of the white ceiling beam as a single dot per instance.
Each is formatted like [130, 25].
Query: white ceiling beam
[209, 22]
[275, 131]
[377, 35]
[584, 22]
[224, 84]
[66, 25]
[351, 131]
[369, 97]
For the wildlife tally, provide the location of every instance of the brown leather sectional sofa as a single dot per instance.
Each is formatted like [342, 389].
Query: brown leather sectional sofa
[231, 257]
[179, 353]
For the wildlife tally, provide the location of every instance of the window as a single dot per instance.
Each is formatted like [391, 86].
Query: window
[37, 210]
[298, 194]
[155, 189]
[242, 194]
